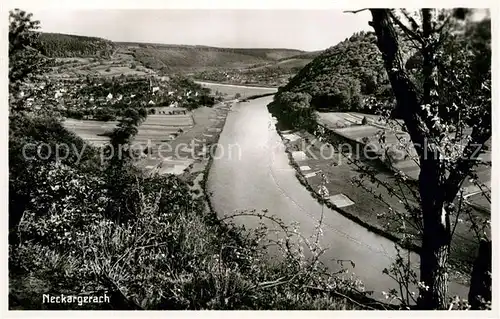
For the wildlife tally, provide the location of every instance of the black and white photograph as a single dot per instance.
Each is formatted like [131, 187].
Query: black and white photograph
[335, 158]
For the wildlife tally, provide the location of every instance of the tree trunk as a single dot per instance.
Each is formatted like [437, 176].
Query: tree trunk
[436, 237]
[480, 283]
[433, 263]
[434, 275]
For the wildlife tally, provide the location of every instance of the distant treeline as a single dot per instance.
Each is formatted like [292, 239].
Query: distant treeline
[65, 45]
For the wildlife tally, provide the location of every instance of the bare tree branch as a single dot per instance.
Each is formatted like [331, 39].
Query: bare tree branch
[355, 11]
[410, 33]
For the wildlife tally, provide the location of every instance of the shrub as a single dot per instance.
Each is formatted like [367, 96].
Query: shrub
[76, 114]
[104, 114]
[189, 261]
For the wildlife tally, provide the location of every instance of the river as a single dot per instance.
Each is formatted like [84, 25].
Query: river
[251, 171]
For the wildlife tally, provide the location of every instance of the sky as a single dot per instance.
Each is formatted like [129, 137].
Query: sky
[307, 30]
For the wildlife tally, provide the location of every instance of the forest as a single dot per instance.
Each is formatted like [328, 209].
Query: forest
[65, 45]
[343, 75]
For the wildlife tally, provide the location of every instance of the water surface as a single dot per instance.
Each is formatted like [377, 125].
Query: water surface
[251, 171]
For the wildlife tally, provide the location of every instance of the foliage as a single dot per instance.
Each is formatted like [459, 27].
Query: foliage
[445, 104]
[293, 109]
[65, 45]
[32, 145]
[23, 50]
[342, 76]
[186, 262]
[441, 80]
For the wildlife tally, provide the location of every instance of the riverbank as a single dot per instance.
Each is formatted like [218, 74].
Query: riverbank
[211, 127]
[197, 177]
[358, 204]
[307, 182]
[231, 91]
[220, 202]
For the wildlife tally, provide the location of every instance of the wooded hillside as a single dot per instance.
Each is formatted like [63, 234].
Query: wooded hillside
[66, 45]
[341, 76]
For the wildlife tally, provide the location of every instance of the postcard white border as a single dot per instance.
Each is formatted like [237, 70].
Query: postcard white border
[240, 4]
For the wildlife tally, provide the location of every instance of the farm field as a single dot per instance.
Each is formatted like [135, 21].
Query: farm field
[348, 124]
[156, 128]
[312, 157]
[169, 136]
[120, 63]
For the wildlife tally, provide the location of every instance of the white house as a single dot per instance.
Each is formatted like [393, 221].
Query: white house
[109, 97]
[156, 89]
